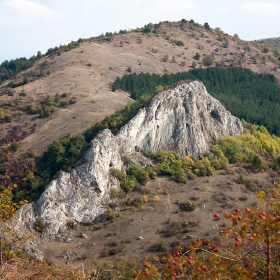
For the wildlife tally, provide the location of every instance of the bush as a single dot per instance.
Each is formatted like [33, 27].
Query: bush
[14, 146]
[139, 174]
[119, 174]
[256, 161]
[232, 148]
[30, 109]
[105, 253]
[207, 26]
[179, 43]
[73, 100]
[128, 184]
[220, 163]
[180, 177]
[197, 56]
[188, 206]
[110, 215]
[208, 60]
[166, 58]
[71, 224]
[203, 167]
[39, 225]
[63, 103]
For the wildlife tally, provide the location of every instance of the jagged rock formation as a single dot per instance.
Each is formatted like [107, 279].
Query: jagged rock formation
[184, 120]
[80, 195]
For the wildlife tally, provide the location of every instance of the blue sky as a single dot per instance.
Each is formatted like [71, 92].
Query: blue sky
[27, 26]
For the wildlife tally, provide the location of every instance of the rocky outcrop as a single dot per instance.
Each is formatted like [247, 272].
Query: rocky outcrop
[80, 195]
[184, 120]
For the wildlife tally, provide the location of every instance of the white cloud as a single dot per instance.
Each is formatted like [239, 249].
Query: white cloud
[31, 9]
[175, 5]
[222, 10]
[86, 9]
[261, 8]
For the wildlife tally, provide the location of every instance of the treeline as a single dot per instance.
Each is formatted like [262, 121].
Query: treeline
[10, 68]
[247, 95]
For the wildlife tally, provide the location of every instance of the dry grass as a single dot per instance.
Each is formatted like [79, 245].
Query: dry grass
[154, 220]
[91, 84]
[32, 270]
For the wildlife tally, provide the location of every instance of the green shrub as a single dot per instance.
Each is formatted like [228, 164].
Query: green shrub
[276, 165]
[14, 146]
[256, 161]
[22, 93]
[119, 174]
[151, 173]
[30, 109]
[180, 176]
[232, 148]
[203, 167]
[197, 56]
[160, 246]
[128, 184]
[110, 215]
[39, 225]
[140, 174]
[168, 163]
[220, 163]
[188, 206]
[208, 60]
[63, 103]
[105, 253]
[179, 43]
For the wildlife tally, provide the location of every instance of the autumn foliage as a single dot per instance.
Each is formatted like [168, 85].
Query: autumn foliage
[248, 249]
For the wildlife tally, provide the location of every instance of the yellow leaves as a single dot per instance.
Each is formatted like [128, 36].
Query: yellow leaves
[98, 124]
[156, 198]
[29, 175]
[145, 198]
[23, 202]
[155, 257]
[260, 195]
[7, 206]
[189, 160]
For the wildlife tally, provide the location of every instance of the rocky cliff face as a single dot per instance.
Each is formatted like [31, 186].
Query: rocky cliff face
[184, 120]
[80, 195]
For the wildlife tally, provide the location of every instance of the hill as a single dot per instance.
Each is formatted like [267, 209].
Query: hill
[69, 88]
[79, 76]
[273, 42]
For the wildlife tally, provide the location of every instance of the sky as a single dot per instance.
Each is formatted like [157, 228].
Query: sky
[29, 26]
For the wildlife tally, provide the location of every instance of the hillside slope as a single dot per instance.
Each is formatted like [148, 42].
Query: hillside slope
[85, 73]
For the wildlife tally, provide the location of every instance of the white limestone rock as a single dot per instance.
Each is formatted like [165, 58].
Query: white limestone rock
[184, 120]
[81, 194]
